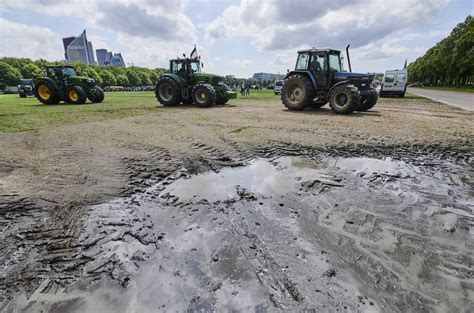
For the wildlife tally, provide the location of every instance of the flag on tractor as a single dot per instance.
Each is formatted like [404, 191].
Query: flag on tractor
[194, 53]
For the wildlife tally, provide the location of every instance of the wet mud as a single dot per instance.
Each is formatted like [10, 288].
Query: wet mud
[265, 229]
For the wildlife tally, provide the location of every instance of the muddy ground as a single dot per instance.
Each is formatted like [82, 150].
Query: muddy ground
[308, 211]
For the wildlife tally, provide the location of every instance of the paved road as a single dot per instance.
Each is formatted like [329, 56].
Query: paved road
[463, 100]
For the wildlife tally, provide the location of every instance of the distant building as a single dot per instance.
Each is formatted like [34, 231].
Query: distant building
[267, 76]
[78, 49]
[117, 60]
[105, 58]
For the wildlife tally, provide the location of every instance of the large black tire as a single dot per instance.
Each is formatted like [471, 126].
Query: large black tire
[204, 95]
[75, 95]
[344, 99]
[297, 92]
[97, 95]
[368, 102]
[46, 93]
[168, 91]
[317, 104]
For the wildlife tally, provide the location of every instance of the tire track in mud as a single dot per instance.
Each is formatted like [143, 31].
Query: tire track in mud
[64, 257]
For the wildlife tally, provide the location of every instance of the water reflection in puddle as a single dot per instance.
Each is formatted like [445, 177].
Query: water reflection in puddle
[263, 177]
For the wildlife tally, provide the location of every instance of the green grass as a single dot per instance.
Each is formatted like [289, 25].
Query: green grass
[460, 89]
[22, 114]
[238, 130]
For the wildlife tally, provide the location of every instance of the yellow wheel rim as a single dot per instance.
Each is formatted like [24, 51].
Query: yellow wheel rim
[44, 92]
[73, 95]
[202, 95]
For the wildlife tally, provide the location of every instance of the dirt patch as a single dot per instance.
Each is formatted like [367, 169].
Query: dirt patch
[329, 243]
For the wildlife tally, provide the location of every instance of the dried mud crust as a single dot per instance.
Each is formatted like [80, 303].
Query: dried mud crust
[54, 236]
[48, 248]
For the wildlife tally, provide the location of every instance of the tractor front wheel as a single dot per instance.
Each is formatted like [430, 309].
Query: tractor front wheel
[167, 91]
[204, 95]
[368, 102]
[75, 95]
[46, 93]
[297, 92]
[96, 95]
[344, 99]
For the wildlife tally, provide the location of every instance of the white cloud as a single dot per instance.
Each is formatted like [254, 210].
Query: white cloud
[25, 41]
[285, 24]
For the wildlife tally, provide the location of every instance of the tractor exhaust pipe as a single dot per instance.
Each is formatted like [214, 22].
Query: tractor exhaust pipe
[348, 58]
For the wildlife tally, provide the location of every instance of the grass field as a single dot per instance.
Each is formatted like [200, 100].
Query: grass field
[460, 89]
[21, 114]
[28, 114]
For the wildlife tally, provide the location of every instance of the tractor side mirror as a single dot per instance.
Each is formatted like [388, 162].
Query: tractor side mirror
[202, 65]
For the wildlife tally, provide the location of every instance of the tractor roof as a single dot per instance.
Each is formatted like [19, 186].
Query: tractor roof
[319, 50]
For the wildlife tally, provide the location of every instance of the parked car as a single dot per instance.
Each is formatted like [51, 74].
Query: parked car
[278, 86]
[394, 83]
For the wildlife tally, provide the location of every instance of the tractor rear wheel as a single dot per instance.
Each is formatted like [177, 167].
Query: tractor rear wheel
[167, 91]
[75, 95]
[368, 102]
[96, 95]
[46, 93]
[344, 99]
[204, 95]
[297, 92]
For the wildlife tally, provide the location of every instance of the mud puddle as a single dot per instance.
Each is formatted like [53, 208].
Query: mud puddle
[289, 234]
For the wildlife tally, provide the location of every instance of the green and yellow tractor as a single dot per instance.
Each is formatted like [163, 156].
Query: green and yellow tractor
[185, 83]
[62, 83]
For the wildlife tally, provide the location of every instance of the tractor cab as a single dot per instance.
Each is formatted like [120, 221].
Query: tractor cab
[61, 72]
[185, 68]
[323, 64]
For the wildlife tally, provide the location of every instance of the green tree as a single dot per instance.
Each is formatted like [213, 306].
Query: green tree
[144, 79]
[9, 76]
[108, 79]
[133, 78]
[90, 72]
[122, 80]
[31, 70]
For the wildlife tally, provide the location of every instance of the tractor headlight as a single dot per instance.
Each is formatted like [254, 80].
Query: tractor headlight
[90, 81]
[221, 83]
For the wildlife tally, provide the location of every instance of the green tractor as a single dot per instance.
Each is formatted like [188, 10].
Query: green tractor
[185, 83]
[62, 83]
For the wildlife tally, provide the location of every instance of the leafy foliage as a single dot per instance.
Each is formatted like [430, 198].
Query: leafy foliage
[9, 75]
[14, 69]
[450, 61]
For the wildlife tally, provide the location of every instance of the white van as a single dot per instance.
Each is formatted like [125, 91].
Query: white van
[394, 83]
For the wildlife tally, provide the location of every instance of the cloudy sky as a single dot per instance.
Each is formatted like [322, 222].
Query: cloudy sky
[237, 37]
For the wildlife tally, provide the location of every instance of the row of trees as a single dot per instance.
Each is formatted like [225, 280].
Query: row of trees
[14, 69]
[450, 61]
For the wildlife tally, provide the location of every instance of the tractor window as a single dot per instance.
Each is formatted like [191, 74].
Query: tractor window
[67, 71]
[334, 62]
[175, 66]
[303, 60]
[389, 78]
[195, 67]
[401, 77]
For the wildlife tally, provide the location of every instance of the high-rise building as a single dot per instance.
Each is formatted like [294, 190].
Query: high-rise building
[117, 60]
[105, 58]
[78, 49]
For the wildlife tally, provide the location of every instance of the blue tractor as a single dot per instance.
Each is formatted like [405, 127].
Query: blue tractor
[318, 79]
